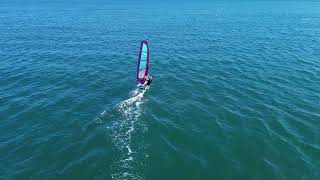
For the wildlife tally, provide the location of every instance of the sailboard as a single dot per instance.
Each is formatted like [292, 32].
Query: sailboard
[143, 62]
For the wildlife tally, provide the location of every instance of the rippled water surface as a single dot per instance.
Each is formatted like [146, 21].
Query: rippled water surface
[235, 95]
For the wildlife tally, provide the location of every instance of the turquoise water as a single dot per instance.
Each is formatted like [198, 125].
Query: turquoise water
[235, 93]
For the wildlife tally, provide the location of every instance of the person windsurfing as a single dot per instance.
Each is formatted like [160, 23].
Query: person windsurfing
[147, 82]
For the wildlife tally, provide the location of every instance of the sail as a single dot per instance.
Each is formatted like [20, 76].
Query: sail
[143, 62]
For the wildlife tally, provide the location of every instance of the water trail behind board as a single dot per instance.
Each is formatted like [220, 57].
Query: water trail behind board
[123, 133]
[126, 130]
[136, 98]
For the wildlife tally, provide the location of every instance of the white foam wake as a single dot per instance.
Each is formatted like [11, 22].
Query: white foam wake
[122, 133]
[135, 100]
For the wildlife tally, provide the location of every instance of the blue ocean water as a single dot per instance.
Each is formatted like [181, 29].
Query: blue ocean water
[235, 92]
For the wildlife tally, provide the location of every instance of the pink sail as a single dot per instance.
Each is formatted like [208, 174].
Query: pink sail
[143, 62]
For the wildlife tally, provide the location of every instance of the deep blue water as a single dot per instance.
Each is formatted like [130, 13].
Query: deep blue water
[235, 92]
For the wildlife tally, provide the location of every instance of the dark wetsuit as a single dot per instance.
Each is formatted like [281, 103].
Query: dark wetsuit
[149, 82]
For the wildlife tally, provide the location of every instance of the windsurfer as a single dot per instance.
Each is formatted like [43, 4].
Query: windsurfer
[147, 82]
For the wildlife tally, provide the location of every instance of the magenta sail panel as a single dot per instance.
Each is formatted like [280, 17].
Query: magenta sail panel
[143, 62]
